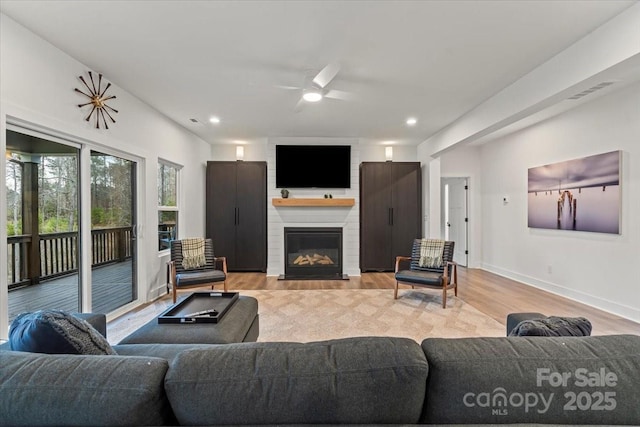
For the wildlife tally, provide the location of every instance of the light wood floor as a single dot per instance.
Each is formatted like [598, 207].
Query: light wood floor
[494, 295]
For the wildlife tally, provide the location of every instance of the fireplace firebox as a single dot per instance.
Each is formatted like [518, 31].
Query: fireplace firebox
[313, 253]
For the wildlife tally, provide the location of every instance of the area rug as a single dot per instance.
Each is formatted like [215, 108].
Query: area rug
[314, 315]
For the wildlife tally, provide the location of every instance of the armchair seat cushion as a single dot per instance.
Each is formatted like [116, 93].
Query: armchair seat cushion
[196, 277]
[424, 278]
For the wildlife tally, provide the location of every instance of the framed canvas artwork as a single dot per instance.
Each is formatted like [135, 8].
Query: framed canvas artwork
[581, 194]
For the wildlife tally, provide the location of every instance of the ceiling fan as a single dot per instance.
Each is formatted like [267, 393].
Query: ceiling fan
[315, 87]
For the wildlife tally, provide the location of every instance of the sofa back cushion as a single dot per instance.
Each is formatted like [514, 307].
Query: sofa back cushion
[364, 380]
[546, 380]
[54, 390]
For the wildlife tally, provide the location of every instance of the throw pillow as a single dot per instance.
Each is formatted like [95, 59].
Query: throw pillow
[553, 326]
[56, 332]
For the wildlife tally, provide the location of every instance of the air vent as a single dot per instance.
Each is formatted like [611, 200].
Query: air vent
[591, 90]
[193, 120]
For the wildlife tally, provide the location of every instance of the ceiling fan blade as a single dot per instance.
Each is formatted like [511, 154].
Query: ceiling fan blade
[328, 73]
[339, 94]
[299, 105]
[288, 87]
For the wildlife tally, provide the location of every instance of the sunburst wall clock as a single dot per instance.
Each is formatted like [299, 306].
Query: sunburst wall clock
[98, 100]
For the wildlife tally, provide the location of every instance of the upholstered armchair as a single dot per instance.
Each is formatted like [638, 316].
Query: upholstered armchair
[213, 271]
[443, 275]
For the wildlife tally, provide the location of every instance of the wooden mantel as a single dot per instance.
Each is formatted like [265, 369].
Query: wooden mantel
[316, 202]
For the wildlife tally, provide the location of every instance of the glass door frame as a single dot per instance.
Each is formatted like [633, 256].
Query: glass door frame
[85, 205]
[135, 228]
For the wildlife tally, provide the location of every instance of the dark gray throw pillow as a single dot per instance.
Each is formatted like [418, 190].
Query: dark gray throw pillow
[56, 332]
[553, 326]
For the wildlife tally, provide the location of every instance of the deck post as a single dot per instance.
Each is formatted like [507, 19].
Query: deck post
[30, 219]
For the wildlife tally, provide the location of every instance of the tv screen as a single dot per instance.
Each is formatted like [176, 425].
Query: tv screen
[313, 166]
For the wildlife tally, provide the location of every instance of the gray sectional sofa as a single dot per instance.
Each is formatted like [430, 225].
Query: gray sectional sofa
[358, 380]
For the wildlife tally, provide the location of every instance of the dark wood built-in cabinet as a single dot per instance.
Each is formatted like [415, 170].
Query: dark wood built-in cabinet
[236, 213]
[390, 212]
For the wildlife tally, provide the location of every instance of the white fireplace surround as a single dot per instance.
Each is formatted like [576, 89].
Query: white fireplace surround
[345, 217]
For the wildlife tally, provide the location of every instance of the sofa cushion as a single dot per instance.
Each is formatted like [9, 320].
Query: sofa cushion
[364, 380]
[55, 390]
[55, 332]
[553, 326]
[163, 351]
[546, 380]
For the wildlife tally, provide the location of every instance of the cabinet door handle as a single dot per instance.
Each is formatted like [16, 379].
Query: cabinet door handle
[238, 216]
[391, 216]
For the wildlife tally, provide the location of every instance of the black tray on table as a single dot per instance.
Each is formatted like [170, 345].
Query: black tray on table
[200, 307]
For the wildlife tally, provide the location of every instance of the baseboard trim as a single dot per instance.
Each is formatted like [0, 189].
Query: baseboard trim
[612, 307]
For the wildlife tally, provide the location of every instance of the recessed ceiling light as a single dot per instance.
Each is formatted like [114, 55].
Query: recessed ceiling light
[312, 96]
[412, 121]
[214, 119]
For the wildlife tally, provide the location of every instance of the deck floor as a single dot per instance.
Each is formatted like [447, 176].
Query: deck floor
[112, 288]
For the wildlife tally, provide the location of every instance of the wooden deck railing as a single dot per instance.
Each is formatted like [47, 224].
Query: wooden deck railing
[58, 253]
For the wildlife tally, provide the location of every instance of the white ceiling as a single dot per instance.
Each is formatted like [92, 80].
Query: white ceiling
[433, 60]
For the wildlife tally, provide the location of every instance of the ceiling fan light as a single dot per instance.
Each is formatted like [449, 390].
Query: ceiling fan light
[312, 96]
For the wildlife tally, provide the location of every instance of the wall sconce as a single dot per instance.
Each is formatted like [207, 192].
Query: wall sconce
[388, 153]
[239, 152]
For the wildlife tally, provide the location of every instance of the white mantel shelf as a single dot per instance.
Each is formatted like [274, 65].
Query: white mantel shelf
[316, 202]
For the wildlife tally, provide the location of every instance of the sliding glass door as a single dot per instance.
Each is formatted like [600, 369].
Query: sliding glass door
[113, 226]
[42, 224]
[52, 263]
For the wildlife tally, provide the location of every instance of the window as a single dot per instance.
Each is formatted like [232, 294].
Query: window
[167, 204]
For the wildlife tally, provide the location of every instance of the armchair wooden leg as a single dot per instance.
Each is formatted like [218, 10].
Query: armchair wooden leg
[174, 292]
[395, 294]
[444, 297]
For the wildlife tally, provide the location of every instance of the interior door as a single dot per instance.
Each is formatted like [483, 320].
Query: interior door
[455, 216]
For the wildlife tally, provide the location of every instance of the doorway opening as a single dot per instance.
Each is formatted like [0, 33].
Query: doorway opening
[455, 217]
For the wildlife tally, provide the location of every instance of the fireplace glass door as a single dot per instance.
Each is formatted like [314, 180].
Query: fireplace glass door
[313, 252]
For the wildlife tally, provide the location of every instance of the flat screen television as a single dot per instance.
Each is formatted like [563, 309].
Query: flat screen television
[313, 166]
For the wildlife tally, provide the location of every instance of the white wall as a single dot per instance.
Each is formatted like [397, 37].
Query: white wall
[598, 269]
[346, 218]
[36, 88]
[464, 163]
